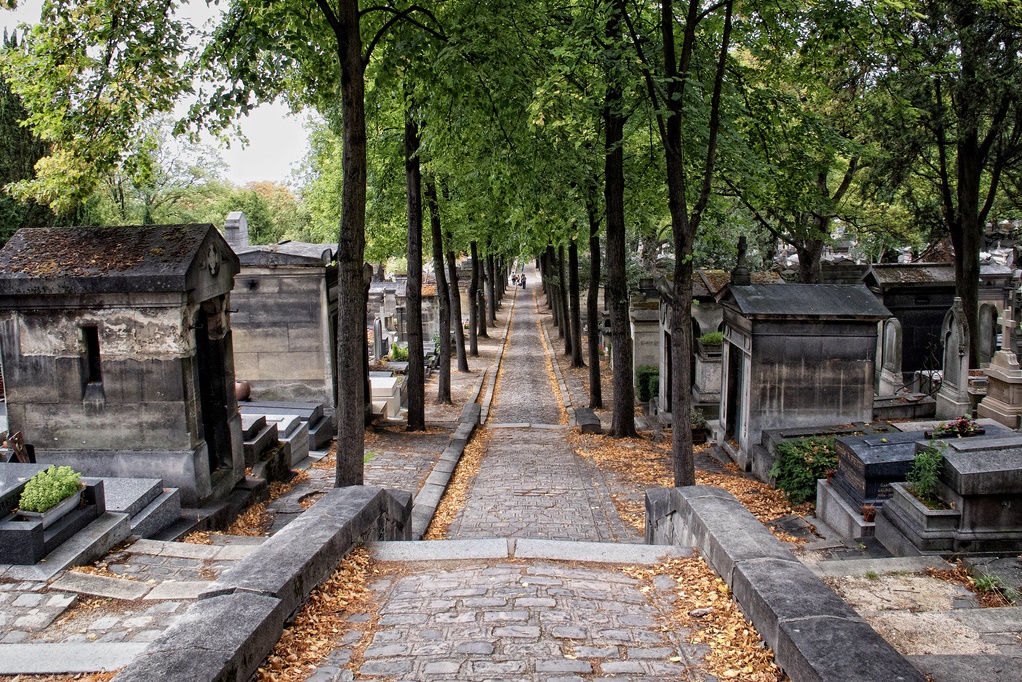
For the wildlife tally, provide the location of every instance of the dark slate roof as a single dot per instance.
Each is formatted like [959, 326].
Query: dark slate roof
[287, 253]
[92, 260]
[802, 301]
[887, 275]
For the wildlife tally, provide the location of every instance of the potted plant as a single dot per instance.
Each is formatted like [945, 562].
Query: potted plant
[51, 494]
[869, 513]
[699, 430]
[963, 427]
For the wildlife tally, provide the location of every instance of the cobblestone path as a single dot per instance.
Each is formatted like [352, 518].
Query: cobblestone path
[491, 619]
[531, 484]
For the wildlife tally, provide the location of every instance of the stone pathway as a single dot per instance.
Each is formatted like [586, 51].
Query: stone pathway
[470, 615]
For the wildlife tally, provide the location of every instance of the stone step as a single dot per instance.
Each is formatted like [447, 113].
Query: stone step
[65, 658]
[860, 567]
[131, 495]
[525, 548]
[101, 586]
[159, 514]
[321, 432]
[257, 446]
[84, 547]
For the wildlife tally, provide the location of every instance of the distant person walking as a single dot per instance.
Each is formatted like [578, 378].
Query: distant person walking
[523, 280]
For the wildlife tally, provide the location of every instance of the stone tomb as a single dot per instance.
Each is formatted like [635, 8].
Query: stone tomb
[795, 355]
[981, 487]
[117, 354]
[285, 322]
[1003, 401]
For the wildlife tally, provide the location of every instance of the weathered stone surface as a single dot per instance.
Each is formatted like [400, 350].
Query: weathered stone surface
[101, 586]
[223, 638]
[587, 420]
[829, 649]
[61, 658]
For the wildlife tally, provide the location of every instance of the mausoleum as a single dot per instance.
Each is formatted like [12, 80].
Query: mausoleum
[117, 354]
[795, 355]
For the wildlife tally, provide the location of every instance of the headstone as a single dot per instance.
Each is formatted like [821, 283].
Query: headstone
[378, 350]
[1003, 401]
[890, 363]
[987, 333]
[236, 229]
[953, 398]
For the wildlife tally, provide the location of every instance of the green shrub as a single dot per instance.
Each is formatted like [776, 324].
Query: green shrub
[925, 471]
[48, 488]
[711, 338]
[696, 418]
[399, 353]
[800, 462]
[648, 380]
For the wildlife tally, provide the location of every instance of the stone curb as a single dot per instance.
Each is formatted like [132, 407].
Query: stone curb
[58, 658]
[239, 618]
[561, 386]
[815, 635]
[428, 498]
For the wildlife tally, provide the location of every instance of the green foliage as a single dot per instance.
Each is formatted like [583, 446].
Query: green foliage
[800, 463]
[696, 418]
[399, 353]
[925, 473]
[648, 380]
[711, 338]
[48, 488]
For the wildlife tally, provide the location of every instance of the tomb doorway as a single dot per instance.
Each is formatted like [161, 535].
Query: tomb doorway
[214, 400]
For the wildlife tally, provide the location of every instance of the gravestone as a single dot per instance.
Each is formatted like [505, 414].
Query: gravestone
[378, 349]
[1003, 401]
[890, 365]
[953, 397]
[236, 230]
[987, 333]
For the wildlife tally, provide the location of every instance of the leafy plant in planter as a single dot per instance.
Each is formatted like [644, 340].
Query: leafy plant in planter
[698, 421]
[800, 462]
[648, 379]
[711, 338]
[49, 488]
[924, 474]
[399, 353]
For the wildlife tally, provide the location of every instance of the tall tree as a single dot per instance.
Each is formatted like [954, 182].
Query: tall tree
[413, 289]
[443, 295]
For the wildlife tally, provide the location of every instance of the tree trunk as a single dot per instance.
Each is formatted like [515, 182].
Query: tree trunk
[478, 314]
[593, 318]
[443, 296]
[562, 275]
[413, 295]
[473, 302]
[459, 328]
[491, 283]
[623, 417]
[809, 252]
[576, 307]
[351, 333]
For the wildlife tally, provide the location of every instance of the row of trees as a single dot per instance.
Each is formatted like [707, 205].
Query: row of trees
[532, 128]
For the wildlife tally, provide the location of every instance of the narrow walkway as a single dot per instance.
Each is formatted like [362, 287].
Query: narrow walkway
[460, 610]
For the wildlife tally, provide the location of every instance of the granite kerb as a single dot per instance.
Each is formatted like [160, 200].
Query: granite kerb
[815, 635]
[238, 619]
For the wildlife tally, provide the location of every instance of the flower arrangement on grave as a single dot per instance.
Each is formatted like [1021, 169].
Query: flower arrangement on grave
[961, 428]
[49, 488]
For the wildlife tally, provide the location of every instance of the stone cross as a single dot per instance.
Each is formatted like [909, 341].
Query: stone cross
[1007, 325]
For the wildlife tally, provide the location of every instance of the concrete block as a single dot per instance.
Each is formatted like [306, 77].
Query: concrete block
[724, 530]
[470, 413]
[828, 649]
[222, 639]
[596, 552]
[772, 591]
[174, 590]
[441, 550]
[587, 420]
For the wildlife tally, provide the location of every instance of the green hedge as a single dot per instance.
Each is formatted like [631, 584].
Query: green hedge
[647, 379]
[800, 462]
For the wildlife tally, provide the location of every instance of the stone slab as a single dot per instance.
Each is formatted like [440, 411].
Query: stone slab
[251, 424]
[441, 550]
[222, 638]
[587, 420]
[161, 512]
[178, 590]
[967, 668]
[860, 567]
[61, 658]
[130, 495]
[596, 552]
[286, 423]
[101, 586]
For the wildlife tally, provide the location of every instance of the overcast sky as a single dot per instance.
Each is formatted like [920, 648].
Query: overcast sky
[277, 140]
